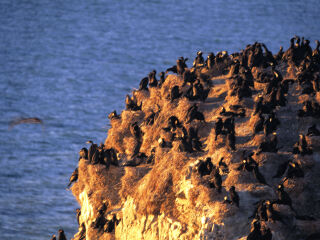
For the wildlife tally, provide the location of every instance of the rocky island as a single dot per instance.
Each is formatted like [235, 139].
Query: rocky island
[226, 149]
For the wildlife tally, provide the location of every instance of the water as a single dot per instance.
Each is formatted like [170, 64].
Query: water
[70, 63]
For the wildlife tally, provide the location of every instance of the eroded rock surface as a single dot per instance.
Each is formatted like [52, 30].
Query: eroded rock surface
[165, 196]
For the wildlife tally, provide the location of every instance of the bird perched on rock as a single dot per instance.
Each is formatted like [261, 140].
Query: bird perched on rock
[273, 215]
[313, 131]
[205, 167]
[258, 125]
[198, 61]
[255, 233]
[175, 93]
[153, 82]
[294, 170]
[194, 114]
[144, 83]
[82, 232]
[216, 180]
[235, 199]
[53, 237]
[210, 60]
[83, 153]
[78, 210]
[92, 149]
[62, 235]
[218, 127]
[162, 78]
[283, 197]
[74, 177]
[114, 115]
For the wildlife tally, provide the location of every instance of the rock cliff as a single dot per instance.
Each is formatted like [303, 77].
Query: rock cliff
[157, 174]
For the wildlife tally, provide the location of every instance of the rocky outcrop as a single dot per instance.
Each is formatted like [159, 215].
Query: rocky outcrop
[162, 187]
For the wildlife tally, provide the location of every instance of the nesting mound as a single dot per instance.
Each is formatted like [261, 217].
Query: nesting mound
[162, 194]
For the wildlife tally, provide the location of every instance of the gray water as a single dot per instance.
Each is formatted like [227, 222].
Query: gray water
[70, 63]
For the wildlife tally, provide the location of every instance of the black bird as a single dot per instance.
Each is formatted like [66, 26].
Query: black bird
[194, 114]
[175, 93]
[313, 131]
[260, 211]
[247, 163]
[131, 103]
[78, 210]
[255, 233]
[258, 125]
[113, 115]
[210, 60]
[223, 166]
[143, 85]
[218, 127]
[283, 197]
[62, 236]
[92, 149]
[198, 61]
[173, 122]
[279, 55]
[188, 77]
[216, 179]
[110, 224]
[74, 177]
[162, 78]
[153, 82]
[234, 196]
[272, 214]
[228, 125]
[82, 232]
[266, 234]
[83, 153]
[205, 167]
[294, 170]
[231, 141]
[53, 237]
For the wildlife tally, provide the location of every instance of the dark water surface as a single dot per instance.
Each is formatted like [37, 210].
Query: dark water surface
[72, 62]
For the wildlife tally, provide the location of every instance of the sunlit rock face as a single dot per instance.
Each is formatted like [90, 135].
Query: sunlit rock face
[170, 196]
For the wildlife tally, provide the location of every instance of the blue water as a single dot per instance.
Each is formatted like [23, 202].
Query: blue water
[70, 63]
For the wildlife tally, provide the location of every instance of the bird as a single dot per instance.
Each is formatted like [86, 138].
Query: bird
[255, 233]
[53, 237]
[62, 235]
[313, 131]
[216, 179]
[272, 214]
[82, 232]
[92, 149]
[234, 196]
[74, 177]
[218, 127]
[78, 210]
[113, 115]
[83, 153]
[283, 197]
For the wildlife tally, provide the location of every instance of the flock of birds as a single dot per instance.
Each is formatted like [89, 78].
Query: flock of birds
[196, 87]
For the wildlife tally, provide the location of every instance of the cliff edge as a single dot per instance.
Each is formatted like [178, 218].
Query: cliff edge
[226, 149]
